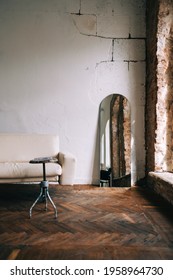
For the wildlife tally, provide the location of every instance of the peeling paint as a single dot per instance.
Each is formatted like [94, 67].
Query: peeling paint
[86, 24]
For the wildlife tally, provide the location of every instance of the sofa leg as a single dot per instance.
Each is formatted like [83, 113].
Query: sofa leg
[44, 196]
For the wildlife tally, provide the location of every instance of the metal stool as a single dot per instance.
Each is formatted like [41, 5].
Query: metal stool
[44, 185]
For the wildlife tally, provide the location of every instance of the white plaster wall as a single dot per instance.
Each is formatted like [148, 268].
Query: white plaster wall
[59, 59]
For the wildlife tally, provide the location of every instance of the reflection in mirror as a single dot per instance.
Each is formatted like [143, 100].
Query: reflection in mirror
[115, 141]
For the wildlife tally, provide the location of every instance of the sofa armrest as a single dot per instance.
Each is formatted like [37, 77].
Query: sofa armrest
[68, 164]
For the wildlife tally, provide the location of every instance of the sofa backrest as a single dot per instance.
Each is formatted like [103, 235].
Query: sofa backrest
[24, 147]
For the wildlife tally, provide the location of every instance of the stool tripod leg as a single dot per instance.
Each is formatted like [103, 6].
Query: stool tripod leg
[40, 195]
[48, 195]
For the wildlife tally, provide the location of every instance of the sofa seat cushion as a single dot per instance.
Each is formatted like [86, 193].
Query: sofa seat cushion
[27, 170]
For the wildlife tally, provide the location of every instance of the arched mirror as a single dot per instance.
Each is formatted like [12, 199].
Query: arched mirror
[115, 141]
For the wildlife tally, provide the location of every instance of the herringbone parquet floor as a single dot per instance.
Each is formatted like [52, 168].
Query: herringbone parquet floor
[92, 223]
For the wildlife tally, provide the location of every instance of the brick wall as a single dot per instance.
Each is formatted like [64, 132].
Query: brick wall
[164, 107]
[151, 83]
[159, 97]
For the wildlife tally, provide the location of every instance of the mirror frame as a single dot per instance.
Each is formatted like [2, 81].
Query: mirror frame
[115, 135]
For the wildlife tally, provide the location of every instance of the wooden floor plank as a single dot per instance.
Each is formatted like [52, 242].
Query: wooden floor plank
[92, 223]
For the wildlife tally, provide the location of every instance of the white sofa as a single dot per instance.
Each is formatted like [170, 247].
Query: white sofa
[16, 150]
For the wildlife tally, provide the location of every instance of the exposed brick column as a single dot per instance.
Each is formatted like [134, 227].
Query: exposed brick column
[164, 108]
[159, 97]
[151, 83]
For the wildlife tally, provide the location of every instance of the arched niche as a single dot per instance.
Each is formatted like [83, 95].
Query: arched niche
[115, 141]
